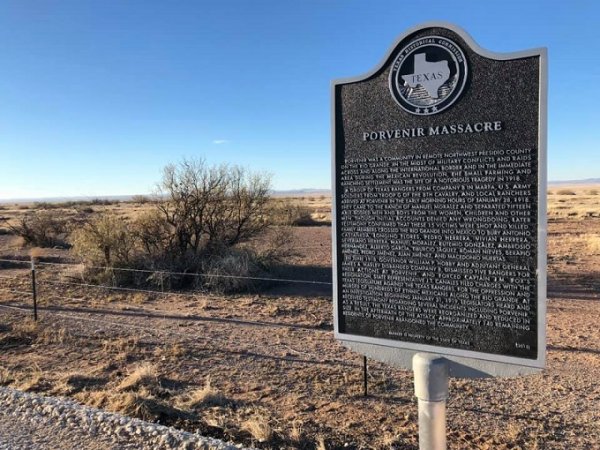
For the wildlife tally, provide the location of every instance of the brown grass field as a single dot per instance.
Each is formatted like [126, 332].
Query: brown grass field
[263, 369]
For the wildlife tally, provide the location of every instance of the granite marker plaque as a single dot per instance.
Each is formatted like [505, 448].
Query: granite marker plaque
[439, 179]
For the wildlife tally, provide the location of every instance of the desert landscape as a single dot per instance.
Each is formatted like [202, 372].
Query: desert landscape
[262, 368]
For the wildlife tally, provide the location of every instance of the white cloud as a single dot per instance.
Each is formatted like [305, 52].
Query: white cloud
[220, 141]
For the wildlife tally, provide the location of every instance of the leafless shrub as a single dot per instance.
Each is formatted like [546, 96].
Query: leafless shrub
[141, 199]
[41, 229]
[232, 270]
[566, 192]
[292, 214]
[276, 247]
[203, 221]
[212, 206]
[153, 234]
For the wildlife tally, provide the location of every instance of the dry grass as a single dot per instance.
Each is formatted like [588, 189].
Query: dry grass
[259, 427]
[138, 298]
[72, 273]
[28, 331]
[575, 245]
[6, 376]
[26, 328]
[122, 349]
[75, 382]
[574, 203]
[36, 253]
[296, 433]
[203, 304]
[32, 381]
[49, 336]
[176, 351]
[389, 440]
[592, 242]
[143, 404]
[140, 394]
[216, 421]
[320, 443]
[145, 375]
[205, 396]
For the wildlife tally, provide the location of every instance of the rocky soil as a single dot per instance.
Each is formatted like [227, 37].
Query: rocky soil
[34, 422]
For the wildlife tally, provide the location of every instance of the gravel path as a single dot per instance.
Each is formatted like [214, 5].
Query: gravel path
[33, 422]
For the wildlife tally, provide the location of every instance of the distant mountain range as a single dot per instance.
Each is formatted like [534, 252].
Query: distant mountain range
[301, 192]
[79, 198]
[278, 193]
[575, 182]
[125, 198]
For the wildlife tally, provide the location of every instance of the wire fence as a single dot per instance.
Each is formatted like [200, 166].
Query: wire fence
[312, 357]
[195, 338]
[166, 272]
[37, 281]
[188, 337]
[204, 294]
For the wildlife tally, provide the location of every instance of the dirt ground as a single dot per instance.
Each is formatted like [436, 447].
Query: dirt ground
[265, 370]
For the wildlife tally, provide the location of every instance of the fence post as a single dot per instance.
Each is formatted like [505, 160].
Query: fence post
[365, 374]
[33, 289]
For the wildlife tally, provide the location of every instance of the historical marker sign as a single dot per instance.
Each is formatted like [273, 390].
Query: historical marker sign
[439, 161]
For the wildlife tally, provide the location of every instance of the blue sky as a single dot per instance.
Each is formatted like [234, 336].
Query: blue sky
[97, 96]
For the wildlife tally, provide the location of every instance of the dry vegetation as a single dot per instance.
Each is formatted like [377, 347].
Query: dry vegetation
[264, 369]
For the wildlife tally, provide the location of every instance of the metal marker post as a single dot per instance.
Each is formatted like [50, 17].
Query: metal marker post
[365, 374]
[33, 290]
[431, 388]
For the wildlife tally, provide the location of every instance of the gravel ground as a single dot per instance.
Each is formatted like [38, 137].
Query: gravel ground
[33, 422]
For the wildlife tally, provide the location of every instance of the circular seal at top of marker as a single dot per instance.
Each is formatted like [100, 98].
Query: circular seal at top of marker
[428, 75]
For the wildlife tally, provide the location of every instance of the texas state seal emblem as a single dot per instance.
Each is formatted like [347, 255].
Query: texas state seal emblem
[428, 75]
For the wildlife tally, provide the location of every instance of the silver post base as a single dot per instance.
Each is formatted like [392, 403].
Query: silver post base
[432, 425]
[431, 388]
